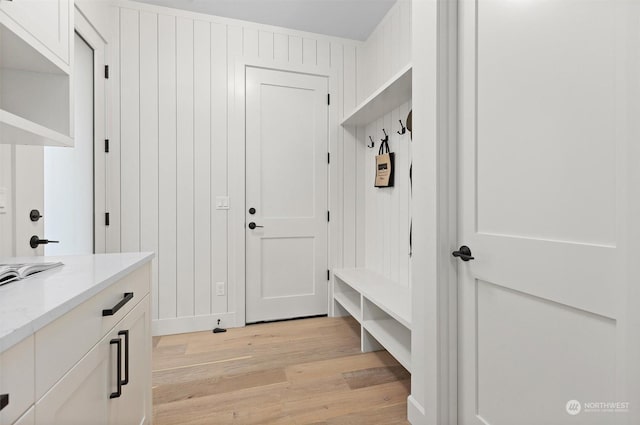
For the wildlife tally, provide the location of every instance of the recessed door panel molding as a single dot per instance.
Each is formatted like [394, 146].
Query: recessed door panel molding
[545, 151]
[286, 194]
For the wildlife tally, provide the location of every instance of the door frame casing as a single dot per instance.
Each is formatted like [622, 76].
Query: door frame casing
[237, 174]
[434, 340]
[99, 45]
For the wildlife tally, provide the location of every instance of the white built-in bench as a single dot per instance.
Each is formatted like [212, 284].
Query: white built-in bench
[381, 306]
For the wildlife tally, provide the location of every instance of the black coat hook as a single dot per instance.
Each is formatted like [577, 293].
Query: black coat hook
[373, 144]
[386, 136]
[403, 128]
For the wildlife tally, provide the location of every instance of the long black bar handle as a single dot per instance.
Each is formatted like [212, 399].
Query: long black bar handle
[111, 311]
[4, 401]
[118, 343]
[125, 381]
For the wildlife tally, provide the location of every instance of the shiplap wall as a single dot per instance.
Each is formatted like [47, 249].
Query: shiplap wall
[383, 215]
[172, 90]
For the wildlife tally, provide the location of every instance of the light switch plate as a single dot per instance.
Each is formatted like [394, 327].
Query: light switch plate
[222, 202]
[220, 288]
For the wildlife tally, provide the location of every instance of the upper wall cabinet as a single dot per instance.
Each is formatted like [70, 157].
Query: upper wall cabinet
[36, 50]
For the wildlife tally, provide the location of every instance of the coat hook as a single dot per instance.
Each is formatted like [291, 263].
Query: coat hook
[403, 128]
[386, 136]
[373, 144]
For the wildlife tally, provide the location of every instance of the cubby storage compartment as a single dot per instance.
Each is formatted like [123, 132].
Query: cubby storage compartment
[349, 299]
[388, 331]
[382, 307]
[35, 88]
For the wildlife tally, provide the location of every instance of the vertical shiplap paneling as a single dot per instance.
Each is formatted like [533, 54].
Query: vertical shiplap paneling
[250, 42]
[387, 64]
[349, 159]
[393, 194]
[395, 38]
[281, 47]
[405, 31]
[371, 217]
[219, 233]
[323, 54]
[386, 207]
[295, 50]
[234, 49]
[361, 202]
[337, 177]
[265, 45]
[202, 166]
[149, 227]
[130, 130]
[309, 52]
[185, 177]
[167, 270]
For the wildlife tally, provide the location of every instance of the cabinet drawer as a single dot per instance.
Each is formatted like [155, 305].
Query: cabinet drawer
[17, 380]
[64, 342]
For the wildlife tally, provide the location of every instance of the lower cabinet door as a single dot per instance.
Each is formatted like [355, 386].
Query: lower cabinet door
[94, 391]
[29, 418]
[134, 407]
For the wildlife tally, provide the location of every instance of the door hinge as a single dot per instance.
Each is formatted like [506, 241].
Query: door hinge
[328, 215]
[106, 72]
[328, 158]
[106, 145]
[106, 219]
[328, 98]
[328, 274]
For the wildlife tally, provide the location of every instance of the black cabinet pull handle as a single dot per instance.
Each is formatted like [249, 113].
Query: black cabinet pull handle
[464, 253]
[125, 381]
[118, 392]
[111, 311]
[4, 401]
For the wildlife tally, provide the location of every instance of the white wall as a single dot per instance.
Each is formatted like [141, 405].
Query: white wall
[382, 219]
[174, 86]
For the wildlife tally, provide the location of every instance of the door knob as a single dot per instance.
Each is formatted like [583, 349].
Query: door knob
[464, 253]
[252, 210]
[35, 241]
[253, 225]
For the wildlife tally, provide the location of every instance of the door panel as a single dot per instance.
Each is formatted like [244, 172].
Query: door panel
[545, 92]
[287, 142]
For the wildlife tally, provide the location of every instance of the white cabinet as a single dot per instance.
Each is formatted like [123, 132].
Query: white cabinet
[90, 393]
[16, 381]
[28, 418]
[45, 24]
[92, 365]
[36, 53]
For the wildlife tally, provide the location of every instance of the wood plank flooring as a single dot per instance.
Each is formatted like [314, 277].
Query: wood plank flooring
[308, 371]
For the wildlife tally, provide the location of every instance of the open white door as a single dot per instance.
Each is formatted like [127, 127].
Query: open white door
[286, 182]
[549, 127]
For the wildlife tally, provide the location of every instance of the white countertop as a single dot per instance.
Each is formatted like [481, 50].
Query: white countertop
[30, 304]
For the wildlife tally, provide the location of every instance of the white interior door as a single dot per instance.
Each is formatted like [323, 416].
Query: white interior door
[549, 128]
[69, 173]
[286, 183]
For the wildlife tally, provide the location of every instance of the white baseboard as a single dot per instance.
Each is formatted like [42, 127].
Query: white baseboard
[415, 412]
[181, 325]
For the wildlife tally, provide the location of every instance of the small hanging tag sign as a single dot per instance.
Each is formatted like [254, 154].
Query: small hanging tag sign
[384, 166]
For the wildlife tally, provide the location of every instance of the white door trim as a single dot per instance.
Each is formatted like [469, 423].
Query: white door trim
[434, 389]
[87, 31]
[236, 165]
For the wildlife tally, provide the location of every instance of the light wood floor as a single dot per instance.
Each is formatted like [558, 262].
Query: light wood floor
[308, 371]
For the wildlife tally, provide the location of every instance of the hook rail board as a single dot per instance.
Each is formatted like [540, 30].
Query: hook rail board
[388, 97]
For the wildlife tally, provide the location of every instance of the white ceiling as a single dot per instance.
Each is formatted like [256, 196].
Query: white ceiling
[354, 19]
